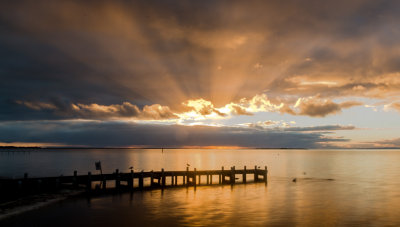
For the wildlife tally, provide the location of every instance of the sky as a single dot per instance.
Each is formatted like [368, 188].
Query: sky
[270, 74]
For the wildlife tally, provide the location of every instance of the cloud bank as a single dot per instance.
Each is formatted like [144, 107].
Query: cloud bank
[117, 134]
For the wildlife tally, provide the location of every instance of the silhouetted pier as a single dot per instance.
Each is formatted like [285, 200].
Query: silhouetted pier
[134, 180]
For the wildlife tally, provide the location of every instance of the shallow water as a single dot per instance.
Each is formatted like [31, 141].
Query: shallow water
[365, 190]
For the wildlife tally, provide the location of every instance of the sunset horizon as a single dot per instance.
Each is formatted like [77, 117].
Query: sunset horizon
[199, 113]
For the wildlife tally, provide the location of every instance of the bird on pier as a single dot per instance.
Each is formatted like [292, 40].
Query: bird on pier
[187, 165]
[131, 167]
[294, 180]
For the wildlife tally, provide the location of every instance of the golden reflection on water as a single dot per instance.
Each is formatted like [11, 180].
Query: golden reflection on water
[356, 188]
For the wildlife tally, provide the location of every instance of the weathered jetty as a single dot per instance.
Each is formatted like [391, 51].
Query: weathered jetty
[134, 180]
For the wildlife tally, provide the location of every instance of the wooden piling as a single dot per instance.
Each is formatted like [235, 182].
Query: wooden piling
[130, 180]
[244, 175]
[39, 185]
[104, 183]
[58, 183]
[117, 179]
[221, 176]
[255, 174]
[89, 182]
[75, 180]
[26, 184]
[199, 179]
[187, 177]
[151, 178]
[162, 178]
[232, 177]
[141, 180]
[194, 177]
[265, 175]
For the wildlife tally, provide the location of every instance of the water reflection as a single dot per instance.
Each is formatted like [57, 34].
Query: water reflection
[364, 191]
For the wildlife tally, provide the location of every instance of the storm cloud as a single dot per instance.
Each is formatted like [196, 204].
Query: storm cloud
[117, 134]
[199, 60]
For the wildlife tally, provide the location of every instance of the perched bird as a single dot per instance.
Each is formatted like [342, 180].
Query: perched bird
[294, 180]
[187, 164]
[131, 167]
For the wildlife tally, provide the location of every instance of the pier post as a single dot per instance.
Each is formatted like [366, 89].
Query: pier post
[172, 179]
[141, 180]
[162, 178]
[89, 182]
[208, 179]
[75, 180]
[39, 185]
[187, 177]
[244, 175]
[151, 179]
[57, 183]
[211, 178]
[176, 180]
[255, 174]
[24, 184]
[221, 176]
[130, 180]
[199, 179]
[232, 177]
[194, 177]
[104, 183]
[117, 179]
[265, 174]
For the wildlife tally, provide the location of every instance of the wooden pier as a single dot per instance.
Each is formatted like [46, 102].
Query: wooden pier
[134, 180]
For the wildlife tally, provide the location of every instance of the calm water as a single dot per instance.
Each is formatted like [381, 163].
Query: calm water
[365, 190]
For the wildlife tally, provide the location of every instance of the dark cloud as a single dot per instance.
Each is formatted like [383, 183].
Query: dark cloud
[321, 108]
[167, 52]
[125, 110]
[319, 128]
[95, 133]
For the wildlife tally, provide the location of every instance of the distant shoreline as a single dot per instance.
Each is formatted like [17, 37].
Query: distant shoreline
[175, 148]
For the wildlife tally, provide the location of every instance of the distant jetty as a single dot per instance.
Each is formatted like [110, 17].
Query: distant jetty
[14, 188]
